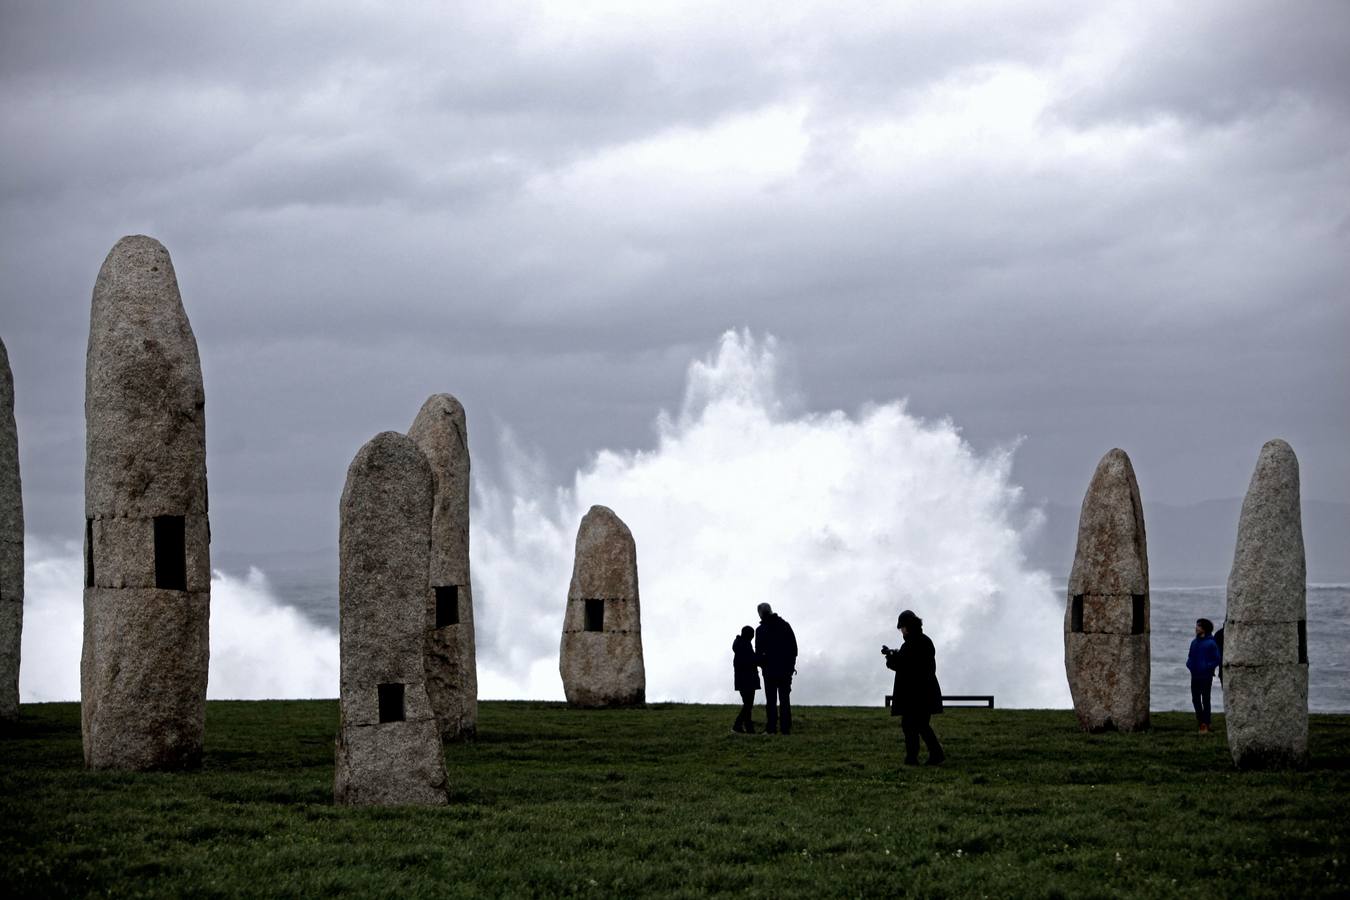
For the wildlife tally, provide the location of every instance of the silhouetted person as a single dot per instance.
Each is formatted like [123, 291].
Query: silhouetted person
[1202, 659]
[776, 648]
[747, 678]
[916, 695]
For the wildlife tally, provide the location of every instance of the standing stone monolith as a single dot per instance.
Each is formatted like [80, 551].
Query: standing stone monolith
[1106, 622]
[1265, 652]
[11, 547]
[147, 566]
[452, 668]
[601, 656]
[388, 745]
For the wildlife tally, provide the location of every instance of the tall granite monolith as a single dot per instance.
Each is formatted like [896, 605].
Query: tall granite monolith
[388, 743]
[1265, 652]
[452, 669]
[147, 566]
[11, 547]
[601, 656]
[1106, 622]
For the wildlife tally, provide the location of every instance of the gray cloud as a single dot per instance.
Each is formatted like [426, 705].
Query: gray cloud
[551, 217]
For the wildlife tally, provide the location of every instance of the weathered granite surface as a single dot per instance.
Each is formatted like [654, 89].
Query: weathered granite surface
[145, 660]
[1107, 658]
[143, 403]
[11, 547]
[1265, 666]
[384, 548]
[603, 668]
[143, 668]
[451, 664]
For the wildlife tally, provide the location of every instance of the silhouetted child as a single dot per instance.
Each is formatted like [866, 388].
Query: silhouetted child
[1202, 659]
[747, 678]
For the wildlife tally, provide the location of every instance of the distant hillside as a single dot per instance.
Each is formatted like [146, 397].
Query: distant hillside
[1194, 544]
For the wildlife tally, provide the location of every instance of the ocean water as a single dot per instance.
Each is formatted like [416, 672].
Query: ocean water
[313, 590]
[1173, 613]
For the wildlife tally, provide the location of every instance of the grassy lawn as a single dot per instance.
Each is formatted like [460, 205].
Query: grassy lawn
[667, 800]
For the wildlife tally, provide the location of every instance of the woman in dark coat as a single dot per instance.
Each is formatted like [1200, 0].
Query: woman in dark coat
[916, 695]
[747, 678]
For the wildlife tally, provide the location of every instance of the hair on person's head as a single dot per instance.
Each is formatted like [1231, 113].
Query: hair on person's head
[747, 631]
[1205, 625]
[765, 610]
[909, 620]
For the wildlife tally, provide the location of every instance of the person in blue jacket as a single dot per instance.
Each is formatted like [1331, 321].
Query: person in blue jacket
[1202, 660]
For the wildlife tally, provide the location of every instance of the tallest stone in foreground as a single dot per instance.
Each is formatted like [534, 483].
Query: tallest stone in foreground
[11, 548]
[1106, 622]
[147, 568]
[1265, 660]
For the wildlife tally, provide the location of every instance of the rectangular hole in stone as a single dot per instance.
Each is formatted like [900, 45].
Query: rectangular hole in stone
[88, 553]
[391, 702]
[1076, 617]
[1136, 614]
[1303, 641]
[447, 605]
[170, 553]
[595, 615]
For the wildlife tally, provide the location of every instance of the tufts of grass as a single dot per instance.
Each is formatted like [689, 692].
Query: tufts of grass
[667, 801]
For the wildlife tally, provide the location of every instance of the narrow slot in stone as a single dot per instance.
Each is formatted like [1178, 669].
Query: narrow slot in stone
[171, 553]
[88, 553]
[1076, 618]
[447, 605]
[1137, 614]
[595, 615]
[391, 703]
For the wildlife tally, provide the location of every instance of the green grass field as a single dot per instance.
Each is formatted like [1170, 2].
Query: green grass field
[667, 801]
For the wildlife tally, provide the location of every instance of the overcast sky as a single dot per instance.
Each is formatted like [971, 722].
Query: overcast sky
[1074, 225]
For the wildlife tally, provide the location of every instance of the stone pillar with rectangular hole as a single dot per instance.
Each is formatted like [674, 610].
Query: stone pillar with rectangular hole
[388, 745]
[11, 547]
[1265, 652]
[452, 670]
[601, 656]
[147, 565]
[1106, 621]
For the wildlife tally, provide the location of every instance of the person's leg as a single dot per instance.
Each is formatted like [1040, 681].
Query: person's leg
[785, 701]
[1196, 702]
[771, 704]
[1206, 685]
[911, 740]
[746, 720]
[930, 740]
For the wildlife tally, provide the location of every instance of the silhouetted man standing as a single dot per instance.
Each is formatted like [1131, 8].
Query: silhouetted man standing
[776, 647]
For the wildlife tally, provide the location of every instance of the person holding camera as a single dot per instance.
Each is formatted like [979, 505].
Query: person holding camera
[916, 695]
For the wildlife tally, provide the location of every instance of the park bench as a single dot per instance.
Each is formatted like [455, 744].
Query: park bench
[960, 701]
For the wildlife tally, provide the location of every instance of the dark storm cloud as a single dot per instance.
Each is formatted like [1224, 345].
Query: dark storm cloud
[1215, 63]
[1094, 227]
